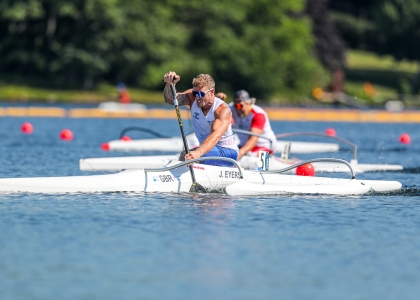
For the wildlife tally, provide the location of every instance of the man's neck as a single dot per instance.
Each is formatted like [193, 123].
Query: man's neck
[205, 109]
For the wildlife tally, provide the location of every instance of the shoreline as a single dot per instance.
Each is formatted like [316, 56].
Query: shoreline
[275, 114]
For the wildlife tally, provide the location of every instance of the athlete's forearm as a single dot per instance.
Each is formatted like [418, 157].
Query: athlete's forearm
[167, 94]
[181, 97]
[209, 143]
[249, 145]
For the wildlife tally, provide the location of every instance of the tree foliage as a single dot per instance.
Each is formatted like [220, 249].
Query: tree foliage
[354, 21]
[398, 30]
[264, 46]
[329, 47]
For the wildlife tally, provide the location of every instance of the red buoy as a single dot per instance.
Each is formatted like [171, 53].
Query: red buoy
[405, 138]
[330, 131]
[105, 146]
[27, 128]
[126, 138]
[66, 135]
[306, 170]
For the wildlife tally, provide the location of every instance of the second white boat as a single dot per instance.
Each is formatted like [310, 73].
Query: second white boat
[112, 164]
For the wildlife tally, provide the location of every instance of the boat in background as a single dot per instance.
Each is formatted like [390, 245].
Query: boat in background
[112, 164]
[112, 106]
[247, 161]
[322, 167]
[175, 144]
[124, 103]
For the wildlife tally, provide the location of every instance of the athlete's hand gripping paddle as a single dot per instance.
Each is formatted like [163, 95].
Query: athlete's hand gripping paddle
[195, 187]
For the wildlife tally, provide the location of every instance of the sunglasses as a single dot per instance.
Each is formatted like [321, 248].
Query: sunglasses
[238, 105]
[200, 94]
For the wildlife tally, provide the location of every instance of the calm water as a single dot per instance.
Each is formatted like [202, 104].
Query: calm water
[155, 246]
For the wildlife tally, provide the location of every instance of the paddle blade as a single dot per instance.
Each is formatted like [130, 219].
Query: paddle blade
[197, 188]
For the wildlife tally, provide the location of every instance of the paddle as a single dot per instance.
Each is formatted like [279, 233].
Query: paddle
[195, 187]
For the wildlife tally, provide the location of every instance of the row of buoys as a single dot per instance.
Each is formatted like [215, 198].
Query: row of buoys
[65, 134]
[309, 169]
[403, 139]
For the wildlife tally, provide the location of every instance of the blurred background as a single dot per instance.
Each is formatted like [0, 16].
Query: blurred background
[358, 53]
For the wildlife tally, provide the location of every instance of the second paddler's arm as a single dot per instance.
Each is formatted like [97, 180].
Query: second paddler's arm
[220, 125]
[250, 143]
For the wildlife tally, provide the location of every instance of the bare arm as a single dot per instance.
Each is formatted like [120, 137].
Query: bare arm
[250, 143]
[221, 96]
[181, 97]
[172, 78]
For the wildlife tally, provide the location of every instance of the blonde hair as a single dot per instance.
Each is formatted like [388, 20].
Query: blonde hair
[204, 80]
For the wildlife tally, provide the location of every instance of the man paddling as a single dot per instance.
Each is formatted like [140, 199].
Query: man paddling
[248, 116]
[211, 118]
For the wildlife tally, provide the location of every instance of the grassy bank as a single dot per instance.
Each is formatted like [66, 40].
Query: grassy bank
[11, 92]
[388, 78]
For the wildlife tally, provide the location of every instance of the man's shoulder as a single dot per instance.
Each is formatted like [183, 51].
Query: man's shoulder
[258, 109]
[222, 109]
[258, 117]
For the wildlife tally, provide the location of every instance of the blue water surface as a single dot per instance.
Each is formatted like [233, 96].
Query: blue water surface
[214, 246]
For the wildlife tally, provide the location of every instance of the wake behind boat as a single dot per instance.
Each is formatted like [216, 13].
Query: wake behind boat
[176, 178]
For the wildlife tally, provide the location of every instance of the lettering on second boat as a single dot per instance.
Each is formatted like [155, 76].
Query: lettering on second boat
[229, 174]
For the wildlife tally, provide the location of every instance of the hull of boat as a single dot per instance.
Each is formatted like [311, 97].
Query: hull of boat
[358, 168]
[247, 162]
[123, 163]
[164, 144]
[175, 144]
[112, 164]
[212, 178]
[305, 147]
[121, 107]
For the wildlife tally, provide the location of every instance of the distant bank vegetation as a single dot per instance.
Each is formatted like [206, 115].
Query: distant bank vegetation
[71, 50]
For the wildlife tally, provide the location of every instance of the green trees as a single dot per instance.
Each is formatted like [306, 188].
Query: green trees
[398, 30]
[64, 41]
[263, 46]
[382, 26]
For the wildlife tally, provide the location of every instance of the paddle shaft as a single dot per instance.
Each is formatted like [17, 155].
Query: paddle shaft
[184, 139]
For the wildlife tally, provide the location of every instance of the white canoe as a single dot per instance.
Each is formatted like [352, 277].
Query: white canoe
[111, 106]
[125, 163]
[247, 162]
[175, 144]
[305, 147]
[213, 178]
